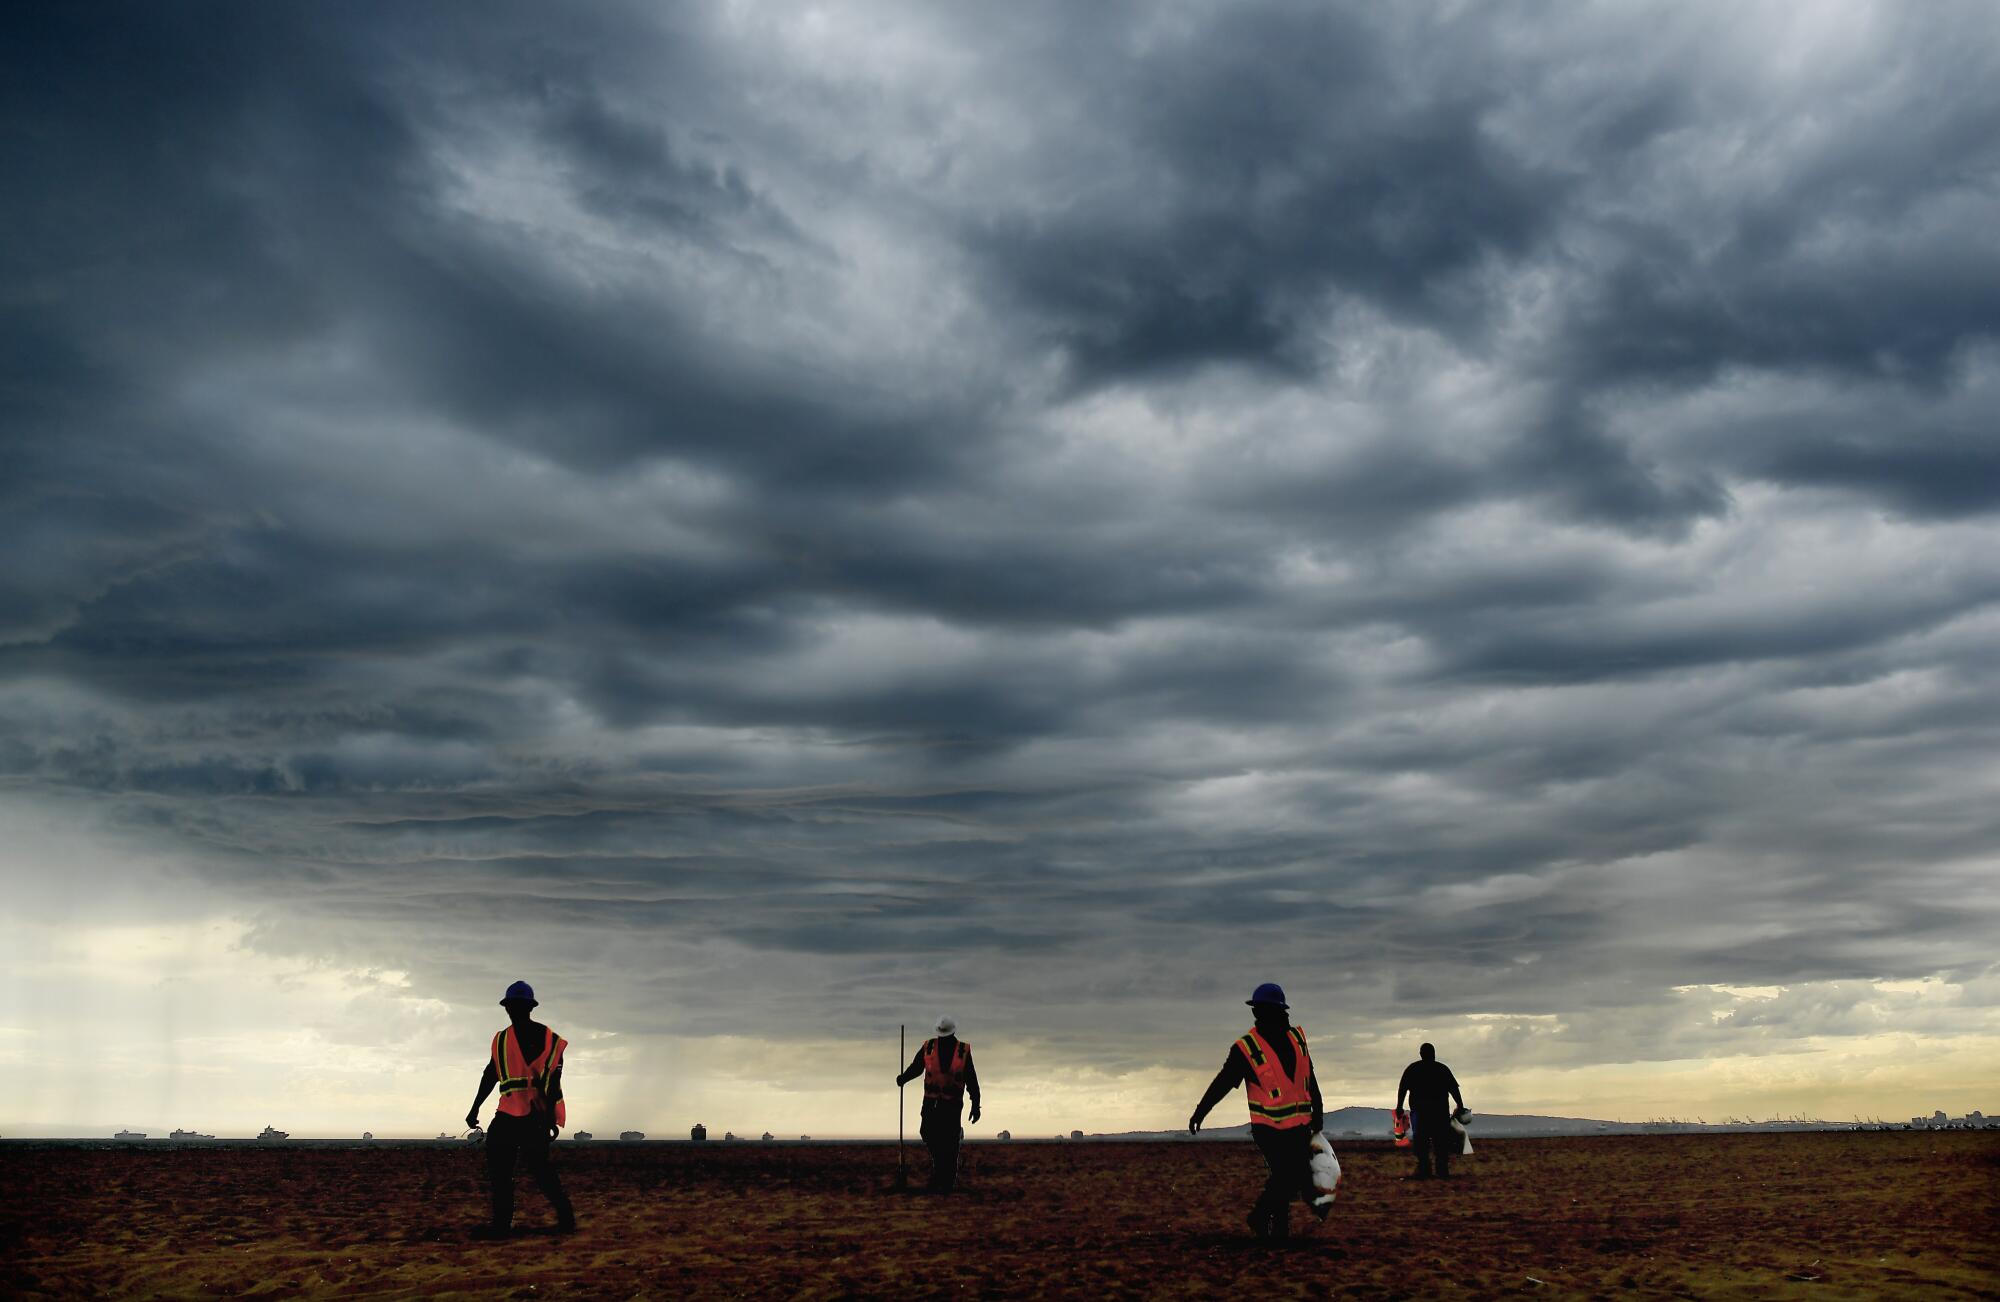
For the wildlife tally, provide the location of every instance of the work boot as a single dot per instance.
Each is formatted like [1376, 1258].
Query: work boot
[1281, 1226]
[488, 1233]
[566, 1223]
[1260, 1225]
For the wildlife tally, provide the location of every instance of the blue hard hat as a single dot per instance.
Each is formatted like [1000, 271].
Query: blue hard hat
[1268, 993]
[523, 993]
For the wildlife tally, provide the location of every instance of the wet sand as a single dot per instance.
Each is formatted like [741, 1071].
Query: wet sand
[1752, 1216]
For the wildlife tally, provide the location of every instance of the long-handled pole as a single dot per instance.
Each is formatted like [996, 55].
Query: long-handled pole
[902, 1178]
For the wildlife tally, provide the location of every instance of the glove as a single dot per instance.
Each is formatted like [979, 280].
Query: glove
[1194, 1124]
[975, 1115]
[472, 1119]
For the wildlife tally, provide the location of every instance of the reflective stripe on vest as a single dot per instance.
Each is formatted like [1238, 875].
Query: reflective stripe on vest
[1277, 1100]
[525, 1085]
[941, 1082]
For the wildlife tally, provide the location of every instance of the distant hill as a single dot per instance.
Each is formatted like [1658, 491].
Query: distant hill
[1373, 1123]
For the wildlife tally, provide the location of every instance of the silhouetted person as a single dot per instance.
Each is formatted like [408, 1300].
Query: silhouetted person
[525, 1062]
[945, 1063]
[1430, 1085]
[1274, 1067]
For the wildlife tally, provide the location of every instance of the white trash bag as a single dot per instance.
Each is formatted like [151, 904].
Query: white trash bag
[1325, 1171]
[1459, 1121]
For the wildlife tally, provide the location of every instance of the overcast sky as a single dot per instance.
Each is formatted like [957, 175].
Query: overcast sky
[771, 523]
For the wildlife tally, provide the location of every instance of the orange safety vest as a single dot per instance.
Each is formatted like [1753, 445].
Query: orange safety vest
[1277, 1100]
[524, 1085]
[940, 1081]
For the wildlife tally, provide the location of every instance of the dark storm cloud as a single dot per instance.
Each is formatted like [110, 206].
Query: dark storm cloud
[1061, 511]
[1279, 162]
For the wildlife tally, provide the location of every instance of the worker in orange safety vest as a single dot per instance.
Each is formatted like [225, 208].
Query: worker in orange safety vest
[525, 1063]
[945, 1063]
[1431, 1089]
[1275, 1068]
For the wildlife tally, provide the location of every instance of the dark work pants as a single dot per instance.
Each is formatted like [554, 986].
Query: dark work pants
[941, 1132]
[1434, 1134]
[1289, 1155]
[527, 1138]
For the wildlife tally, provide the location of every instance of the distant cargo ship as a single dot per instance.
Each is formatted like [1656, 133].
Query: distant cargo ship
[581, 1134]
[130, 1134]
[188, 1134]
[266, 1133]
[632, 1136]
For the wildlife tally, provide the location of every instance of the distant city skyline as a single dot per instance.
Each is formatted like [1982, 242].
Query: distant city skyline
[772, 523]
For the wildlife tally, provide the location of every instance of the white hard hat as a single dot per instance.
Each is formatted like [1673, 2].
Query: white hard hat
[946, 1025]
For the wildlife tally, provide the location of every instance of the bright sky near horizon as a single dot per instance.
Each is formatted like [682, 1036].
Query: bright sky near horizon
[771, 522]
